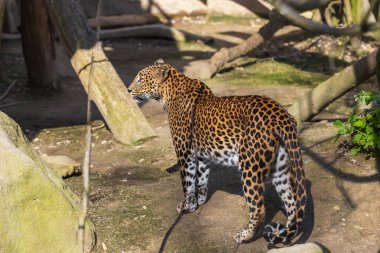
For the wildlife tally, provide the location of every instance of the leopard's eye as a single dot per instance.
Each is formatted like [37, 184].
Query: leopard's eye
[140, 80]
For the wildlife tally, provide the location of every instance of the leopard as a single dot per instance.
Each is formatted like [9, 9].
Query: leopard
[254, 133]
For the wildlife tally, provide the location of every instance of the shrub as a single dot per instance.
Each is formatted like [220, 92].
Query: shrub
[363, 126]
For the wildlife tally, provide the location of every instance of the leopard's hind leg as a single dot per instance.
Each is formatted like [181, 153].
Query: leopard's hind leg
[281, 179]
[254, 164]
[289, 180]
[203, 172]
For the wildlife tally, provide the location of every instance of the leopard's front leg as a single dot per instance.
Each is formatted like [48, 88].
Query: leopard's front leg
[188, 178]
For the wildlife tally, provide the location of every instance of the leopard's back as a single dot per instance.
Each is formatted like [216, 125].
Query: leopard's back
[221, 122]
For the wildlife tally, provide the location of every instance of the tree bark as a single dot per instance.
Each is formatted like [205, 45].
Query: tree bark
[333, 88]
[107, 90]
[207, 69]
[37, 43]
[303, 5]
[2, 10]
[123, 20]
[12, 16]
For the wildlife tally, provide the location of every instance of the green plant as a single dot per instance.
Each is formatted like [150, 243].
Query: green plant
[363, 126]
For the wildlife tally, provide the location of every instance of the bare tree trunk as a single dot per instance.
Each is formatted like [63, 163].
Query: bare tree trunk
[12, 16]
[333, 88]
[37, 43]
[207, 69]
[2, 9]
[107, 90]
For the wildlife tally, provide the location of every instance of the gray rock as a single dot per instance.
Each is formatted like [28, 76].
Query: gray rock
[63, 165]
[300, 248]
[38, 212]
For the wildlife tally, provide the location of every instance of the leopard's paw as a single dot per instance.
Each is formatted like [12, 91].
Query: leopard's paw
[201, 199]
[202, 195]
[244, 235]
[186, 207]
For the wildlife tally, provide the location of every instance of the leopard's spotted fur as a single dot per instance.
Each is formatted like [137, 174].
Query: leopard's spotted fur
[247, 131]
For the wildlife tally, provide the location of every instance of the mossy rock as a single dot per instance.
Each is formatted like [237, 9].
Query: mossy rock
[38, 212]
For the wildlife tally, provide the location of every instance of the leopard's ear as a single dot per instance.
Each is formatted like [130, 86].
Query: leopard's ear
[163, 72]
[159, 61]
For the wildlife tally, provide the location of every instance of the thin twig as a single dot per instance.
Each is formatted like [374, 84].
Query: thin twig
[99, 127]
[14, 82]
[13, 104]
[87, 156]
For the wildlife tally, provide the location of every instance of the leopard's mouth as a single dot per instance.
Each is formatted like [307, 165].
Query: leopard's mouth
[140, 99]
[155, 97]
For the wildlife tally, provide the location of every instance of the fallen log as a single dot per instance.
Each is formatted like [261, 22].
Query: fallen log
[152, 31]
[333, 88]
[206, 69]
[123, 117]
[123, 20]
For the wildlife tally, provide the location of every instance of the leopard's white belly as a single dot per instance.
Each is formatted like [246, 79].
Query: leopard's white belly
[225, 158]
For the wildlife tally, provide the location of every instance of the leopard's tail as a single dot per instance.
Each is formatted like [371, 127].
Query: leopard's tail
[279, 233]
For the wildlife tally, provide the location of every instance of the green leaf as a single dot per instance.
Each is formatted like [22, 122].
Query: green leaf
[357, 137]
[371, 137]
[364, 97]
[359, 123]
[343, 131]
[352, 118]
[355, 151]
[369, 130]
[338, 123]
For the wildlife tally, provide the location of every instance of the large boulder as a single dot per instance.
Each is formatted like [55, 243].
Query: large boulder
[38, 212]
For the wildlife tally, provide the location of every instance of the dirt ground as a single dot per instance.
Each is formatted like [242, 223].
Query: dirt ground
[133, 198]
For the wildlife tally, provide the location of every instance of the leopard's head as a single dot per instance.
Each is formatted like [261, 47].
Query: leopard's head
[147, 82]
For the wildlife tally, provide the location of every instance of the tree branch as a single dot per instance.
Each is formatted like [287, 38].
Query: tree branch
[334, 87]
[296, 19]
[207, 69]
[125, 120]
[304, 5]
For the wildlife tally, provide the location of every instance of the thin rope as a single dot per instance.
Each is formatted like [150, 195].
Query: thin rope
[87, 155]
